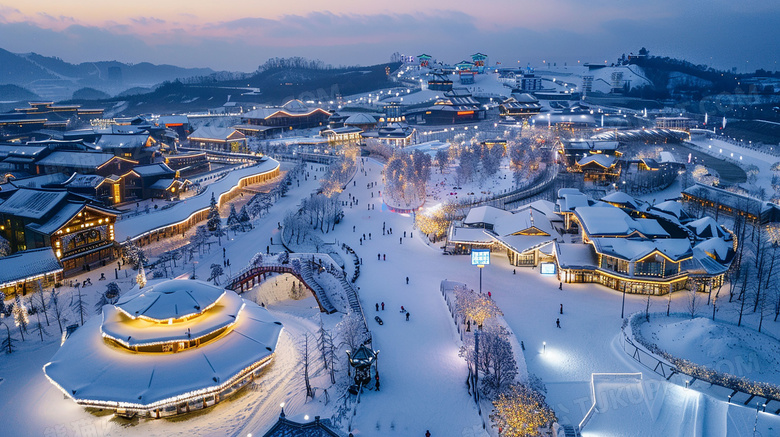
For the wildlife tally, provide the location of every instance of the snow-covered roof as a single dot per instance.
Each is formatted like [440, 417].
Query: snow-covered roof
[570, 198]
[141, 224]
[469, 235]
[545, 207]
[85, 160]
[62, 216]
[93, 371]
[484, 214]
[576, 256]
[78, 180]
[718, 248]
[671, 207]
[601, 159]
[612, 221]
[159, 169]
[133, 332]
[621, 198]
[631, 249]
[162, 184]
[171, 300]
[214, 133]
[33, 204]
[524, 220]
[112, 141]
[360, 118]
[40, 180]
[27, 264]
[707, 227]
[524, 243]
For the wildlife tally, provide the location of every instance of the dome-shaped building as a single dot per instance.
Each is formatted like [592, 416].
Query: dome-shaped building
[169, 348]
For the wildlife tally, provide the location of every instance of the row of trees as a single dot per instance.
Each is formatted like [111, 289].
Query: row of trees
[406, 176]
[48, 309]
[518, 409]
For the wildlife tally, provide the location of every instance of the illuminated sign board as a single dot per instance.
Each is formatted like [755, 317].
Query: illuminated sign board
[480, 257]
[547, 268]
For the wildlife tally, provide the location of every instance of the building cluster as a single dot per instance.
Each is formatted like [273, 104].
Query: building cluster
[617, 241]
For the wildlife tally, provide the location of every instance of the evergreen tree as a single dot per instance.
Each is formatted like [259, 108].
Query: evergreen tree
[233, 221]
[109, 297]
[244, 219]
[216, 272]
[213, 216]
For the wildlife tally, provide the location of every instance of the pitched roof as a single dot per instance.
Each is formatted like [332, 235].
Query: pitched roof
[621, 198]
[214, 133]
[159, 169]
[632, 249]
[111, 141]
[85, 160]
[485, 214]
[63, 215]
[707, 227]
[27, 264]
[605, 161]
[33, 204]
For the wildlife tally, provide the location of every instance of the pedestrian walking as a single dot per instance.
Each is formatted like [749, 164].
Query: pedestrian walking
[407, 316]
[490, 295]
[379, 257]
[404, 234]
[384, 257]
[377, 307]
[514, 271]
[369, 235]
[561, 308]
[407, 283]
[383, 306]
[560, 286]
[427, 433]
[353, 229]
[558, 322]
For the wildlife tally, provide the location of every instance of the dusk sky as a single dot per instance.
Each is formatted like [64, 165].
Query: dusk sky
[226, 35]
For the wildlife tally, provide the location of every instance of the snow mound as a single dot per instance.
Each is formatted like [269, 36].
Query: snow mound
[722, 347]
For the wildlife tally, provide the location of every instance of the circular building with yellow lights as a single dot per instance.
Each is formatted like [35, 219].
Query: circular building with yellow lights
[169, 348]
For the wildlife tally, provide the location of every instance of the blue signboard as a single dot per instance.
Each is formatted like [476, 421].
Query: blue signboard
[547, 268]
[480, 257]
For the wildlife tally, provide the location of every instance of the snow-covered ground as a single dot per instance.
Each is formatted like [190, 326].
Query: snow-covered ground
[423, 378]
[723, 347]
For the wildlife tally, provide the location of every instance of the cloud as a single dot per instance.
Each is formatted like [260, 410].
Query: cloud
[721, 37]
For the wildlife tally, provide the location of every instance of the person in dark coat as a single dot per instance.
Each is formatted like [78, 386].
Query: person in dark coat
[560, 286]
[561, 308]
[383, 306]
[407, 316]
[427, 433]
[558, 322]
[407, 280]
[377, 307]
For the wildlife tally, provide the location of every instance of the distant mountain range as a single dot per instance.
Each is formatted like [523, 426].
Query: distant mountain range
[52, 78]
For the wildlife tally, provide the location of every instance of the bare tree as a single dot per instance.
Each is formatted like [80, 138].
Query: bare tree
[78, 305]
[306, 363]
[693, 302]
[57, 306]
[40, 301]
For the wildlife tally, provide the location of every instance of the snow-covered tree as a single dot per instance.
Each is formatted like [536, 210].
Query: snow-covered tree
[352, 331]
[306, 353]
[244, 219]
[109, 297]
[233, 222]
[497, 361]
[200, 237]
[521, 412]
[216, 272]
[442, 159]
[476, 306]
[134, 254]
[21, 318]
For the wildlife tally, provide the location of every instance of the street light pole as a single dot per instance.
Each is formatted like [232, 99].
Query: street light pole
[480, 278]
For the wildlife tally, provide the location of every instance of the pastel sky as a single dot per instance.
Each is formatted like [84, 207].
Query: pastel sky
[240, 35]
